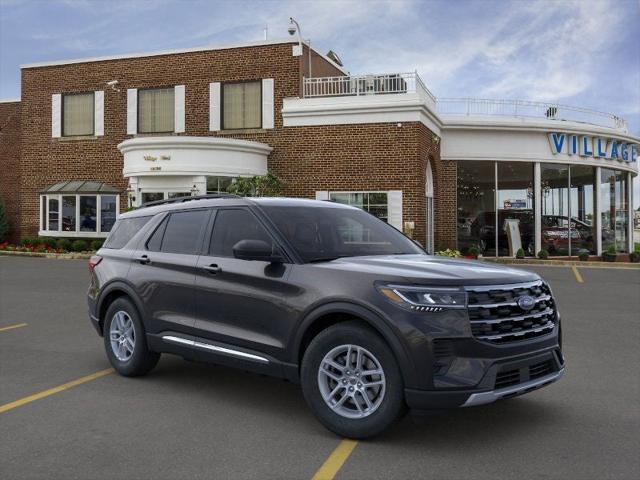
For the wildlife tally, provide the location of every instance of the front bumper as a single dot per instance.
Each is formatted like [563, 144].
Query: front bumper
[521, 369]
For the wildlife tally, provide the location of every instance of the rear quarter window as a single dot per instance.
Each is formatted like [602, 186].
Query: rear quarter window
[124, 230]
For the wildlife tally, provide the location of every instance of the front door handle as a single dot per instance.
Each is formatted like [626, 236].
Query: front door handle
[144, 260]
[213, 268]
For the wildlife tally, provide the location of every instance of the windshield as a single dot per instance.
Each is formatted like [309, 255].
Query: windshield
[326, 233]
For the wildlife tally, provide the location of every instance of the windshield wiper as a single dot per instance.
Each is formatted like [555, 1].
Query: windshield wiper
[327, 259]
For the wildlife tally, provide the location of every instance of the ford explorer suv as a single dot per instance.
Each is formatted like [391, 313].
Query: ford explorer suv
[325, 295]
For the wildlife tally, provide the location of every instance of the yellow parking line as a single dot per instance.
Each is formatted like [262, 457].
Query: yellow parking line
[65, 386]
[577, 274]
[11, 327]
[335, 461]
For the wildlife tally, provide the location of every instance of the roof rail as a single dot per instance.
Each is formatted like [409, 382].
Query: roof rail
[188, 199]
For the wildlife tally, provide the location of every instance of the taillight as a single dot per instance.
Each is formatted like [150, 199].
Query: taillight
[94, 261]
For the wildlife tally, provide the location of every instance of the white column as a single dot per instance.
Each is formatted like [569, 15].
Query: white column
[630, 211]
[214, 106]
[179, 100]
[132, 111]
[268, 114]
[98, 111]
[56, 116]
[598, 213]
[537, 207]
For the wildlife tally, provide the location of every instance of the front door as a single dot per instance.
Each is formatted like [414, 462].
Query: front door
[241, 302]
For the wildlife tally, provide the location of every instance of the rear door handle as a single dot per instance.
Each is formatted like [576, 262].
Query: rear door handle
[144, 260]
[213, 268]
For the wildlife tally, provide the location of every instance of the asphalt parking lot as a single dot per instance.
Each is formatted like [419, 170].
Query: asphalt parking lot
[195, 421]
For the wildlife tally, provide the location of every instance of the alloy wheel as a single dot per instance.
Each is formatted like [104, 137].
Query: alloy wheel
[122, 335]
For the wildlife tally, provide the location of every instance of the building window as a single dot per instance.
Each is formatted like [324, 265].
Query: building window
[78, 114]
[152, 196]
[75, 215]
[477, 206]
[156, 110]
[241, 105]
[516, 224]
[219, 184]
[375, 203]
[614, 209]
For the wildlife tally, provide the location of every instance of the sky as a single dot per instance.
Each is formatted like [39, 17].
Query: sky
[584, 53]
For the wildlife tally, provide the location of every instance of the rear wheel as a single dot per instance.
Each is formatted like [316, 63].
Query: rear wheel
[351, 381]
[124, 340]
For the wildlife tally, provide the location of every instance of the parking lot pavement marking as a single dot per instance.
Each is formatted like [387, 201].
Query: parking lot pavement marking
[65, 386]
[334, 463]
[577, 274]
[11, 327]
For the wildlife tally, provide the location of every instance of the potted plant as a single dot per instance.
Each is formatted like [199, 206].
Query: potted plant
[635, 256]
[520, 253]
[583, 255]
[473, 253]
[610, 255]
[543, 254]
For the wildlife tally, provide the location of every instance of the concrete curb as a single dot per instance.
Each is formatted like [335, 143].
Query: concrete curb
[58, 256]
[563, 263]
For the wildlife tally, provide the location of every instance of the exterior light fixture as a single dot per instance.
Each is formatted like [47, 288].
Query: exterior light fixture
[194, 191]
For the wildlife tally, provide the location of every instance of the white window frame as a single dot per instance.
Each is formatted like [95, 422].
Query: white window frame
[77, 233]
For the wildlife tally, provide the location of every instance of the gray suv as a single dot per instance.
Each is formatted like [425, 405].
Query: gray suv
[325, 295]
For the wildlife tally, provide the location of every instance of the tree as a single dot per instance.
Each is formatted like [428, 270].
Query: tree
[4, 222]
[267, 185]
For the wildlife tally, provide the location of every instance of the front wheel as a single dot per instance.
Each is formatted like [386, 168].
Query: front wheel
[124, 340]
[351, 381]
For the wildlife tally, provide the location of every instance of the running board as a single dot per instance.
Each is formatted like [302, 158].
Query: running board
[214, 348]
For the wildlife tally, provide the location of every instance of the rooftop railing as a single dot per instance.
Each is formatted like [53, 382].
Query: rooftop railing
[528, 109]
[357, 85]
[402, 83]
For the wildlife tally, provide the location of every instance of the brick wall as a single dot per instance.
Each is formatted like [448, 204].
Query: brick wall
[341, 157]
[10, 163]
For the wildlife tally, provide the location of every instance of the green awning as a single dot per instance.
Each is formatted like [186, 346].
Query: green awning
[81, 186]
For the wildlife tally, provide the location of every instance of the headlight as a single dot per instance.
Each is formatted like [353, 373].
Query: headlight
[425, 299]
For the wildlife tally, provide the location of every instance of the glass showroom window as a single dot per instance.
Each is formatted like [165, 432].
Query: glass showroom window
[375, 203]
[581, 205]
[555, 208]
[77, 114]
[219, 184]
[241, 105]
[78, 215]
[477, 206]
[516, 222]
[614, 209]
[156, 110]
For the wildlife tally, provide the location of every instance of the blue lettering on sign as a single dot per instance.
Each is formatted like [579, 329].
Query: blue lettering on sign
[614, 149]
[601, 150]
[634, 153]
[574, 145]
[557, 142]
[624, 152]
[585, 147]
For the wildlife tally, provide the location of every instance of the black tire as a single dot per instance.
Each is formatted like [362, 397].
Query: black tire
[392, 406]
[142, 360]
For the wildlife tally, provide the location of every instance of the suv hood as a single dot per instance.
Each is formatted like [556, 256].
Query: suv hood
[428, 269]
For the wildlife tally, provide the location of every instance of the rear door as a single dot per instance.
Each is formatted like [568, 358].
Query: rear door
[163, 271]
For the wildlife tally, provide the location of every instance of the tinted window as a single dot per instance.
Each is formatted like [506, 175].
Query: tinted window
[230, 227]
[124, 231]
[155, 242]
[324, 233]
[182, 233]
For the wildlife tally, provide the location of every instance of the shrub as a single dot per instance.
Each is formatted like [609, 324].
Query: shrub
[520, 253]
[583, 256]
[474, 252]
[4, 222]
[634, 257]
[449, 253]
[543, 254]
[28, 241]
[79, 246]
[611, 250]
[47, 242]
[64, 244]
[96, 244]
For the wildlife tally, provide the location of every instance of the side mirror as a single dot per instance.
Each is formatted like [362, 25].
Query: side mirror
[256, 250]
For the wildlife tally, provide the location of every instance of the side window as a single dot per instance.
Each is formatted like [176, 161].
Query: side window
[123, 231]
[230, 227]
[155, 241]
[182, 232]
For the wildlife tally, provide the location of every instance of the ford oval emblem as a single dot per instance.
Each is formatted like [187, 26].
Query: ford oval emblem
[526, 302]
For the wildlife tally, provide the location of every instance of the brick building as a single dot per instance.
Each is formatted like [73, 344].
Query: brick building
[91, 137]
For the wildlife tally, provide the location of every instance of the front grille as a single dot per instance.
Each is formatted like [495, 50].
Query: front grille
[496, 316]
[506, 379]
[540, 369]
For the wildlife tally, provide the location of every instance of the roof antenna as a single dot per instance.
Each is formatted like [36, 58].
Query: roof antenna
[266, 32]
